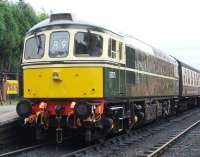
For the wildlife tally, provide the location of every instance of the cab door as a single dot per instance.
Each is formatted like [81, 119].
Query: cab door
[114, 82]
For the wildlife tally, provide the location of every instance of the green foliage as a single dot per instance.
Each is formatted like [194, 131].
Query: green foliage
[15, 20]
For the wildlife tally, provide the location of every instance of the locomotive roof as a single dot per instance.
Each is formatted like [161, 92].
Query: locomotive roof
[48, 23]
[60, 21]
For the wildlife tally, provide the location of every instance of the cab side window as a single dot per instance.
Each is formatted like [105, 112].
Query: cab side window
[120, 50]
[115, 49]
[112, 48]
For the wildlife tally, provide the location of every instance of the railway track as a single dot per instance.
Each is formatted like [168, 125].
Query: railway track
[122, 143]
[8, 133]
[85, 150]
[21, 150]
[160, 149]
[31, 147]
[116, 144]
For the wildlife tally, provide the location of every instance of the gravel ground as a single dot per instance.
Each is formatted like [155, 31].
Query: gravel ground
[187, 146]
[54, 150]
[47, 151]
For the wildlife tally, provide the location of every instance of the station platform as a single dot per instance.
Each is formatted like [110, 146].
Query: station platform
[7, 114]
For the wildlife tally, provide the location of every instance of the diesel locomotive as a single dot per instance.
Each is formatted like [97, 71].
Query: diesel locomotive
[77, 76]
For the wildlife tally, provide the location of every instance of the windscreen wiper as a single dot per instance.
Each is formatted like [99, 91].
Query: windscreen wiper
[38, 42]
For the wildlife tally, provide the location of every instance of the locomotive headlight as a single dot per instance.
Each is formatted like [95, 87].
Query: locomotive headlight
[83, 110]
[24, 108]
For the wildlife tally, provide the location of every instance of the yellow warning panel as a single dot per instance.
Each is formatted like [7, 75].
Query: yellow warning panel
[73, 82]
[12, 87]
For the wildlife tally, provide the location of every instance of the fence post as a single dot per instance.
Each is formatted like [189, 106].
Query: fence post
[4, 88]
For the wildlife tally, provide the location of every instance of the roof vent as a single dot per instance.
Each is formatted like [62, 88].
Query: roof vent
[62, 16]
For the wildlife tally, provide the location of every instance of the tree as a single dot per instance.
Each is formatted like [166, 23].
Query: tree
[15, 20]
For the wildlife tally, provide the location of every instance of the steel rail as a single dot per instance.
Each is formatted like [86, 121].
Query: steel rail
[26, 149]
[161, 149]
[21, 150]
[82, 150]
[94, 146]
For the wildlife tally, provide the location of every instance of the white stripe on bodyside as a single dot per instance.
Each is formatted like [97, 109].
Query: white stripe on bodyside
[98, 65]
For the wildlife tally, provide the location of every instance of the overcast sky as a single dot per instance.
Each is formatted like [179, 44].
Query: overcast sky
[170, 25]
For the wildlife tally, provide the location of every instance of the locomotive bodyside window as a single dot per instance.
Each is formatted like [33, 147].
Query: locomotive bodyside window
[34, 47]
[130, 57]
[88, 45]
[59, 44]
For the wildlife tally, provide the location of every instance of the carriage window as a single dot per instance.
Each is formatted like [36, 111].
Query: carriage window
[185, 76]
[34, 47]
[59, 44]
[88, 45]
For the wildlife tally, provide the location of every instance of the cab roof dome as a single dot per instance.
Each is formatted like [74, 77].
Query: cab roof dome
[62, 19]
